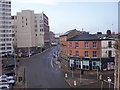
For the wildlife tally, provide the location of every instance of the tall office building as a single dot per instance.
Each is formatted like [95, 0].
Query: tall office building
[32, 30]
[5, 27]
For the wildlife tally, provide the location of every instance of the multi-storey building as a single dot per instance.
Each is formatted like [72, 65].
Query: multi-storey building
[5, 28]
[31, 30]
[63, 45]
[84, 52]
[89, 51]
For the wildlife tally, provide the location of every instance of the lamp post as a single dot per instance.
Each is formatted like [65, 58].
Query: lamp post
[81, 69]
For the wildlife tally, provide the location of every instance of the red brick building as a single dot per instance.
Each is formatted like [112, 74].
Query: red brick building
[84, 52]
[64, 44]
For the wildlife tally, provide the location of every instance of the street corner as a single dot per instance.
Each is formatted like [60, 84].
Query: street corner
[77, 82]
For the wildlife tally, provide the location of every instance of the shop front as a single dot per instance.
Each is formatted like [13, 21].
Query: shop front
[84, 63]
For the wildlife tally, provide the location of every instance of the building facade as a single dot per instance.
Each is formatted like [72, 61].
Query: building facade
[63, 45]
[31, 30]
[6, 46]
[84, 52]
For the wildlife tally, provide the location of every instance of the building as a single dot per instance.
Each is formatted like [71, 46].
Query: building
[5, 28]
[84, 52]
[31, 30]
[88, 51]
[63, 45]
[52, 37]
[14, 30]
[108, 50]
[117, 65]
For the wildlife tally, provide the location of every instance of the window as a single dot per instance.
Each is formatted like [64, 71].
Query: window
[95, 65]
[26, 23]
[76, 45]
[70, 44]
[86, 53]
[109, 44]
[94, 45]
[94, 53]
[110, 54]
[77, 53]
[86, 65]
[22, 18]
[70, 52]
[35, 25]
[86, 44]
[78, 64]
[26, 19]
[35, 34]
[35, 30]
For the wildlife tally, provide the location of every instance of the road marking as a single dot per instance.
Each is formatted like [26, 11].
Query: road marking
[52, 63]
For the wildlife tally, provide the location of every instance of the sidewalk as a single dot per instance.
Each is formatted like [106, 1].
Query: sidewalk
[20, 83]
[88, 80]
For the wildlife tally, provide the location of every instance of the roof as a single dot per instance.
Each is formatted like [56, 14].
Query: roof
[85, 37]
[105, 37]
[66, 33]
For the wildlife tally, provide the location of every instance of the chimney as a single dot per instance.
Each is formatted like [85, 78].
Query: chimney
[108, 33]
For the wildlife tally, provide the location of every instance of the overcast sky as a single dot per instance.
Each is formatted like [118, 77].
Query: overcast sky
[66, 15]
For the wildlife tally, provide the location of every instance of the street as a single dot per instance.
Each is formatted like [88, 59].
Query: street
[40, 73]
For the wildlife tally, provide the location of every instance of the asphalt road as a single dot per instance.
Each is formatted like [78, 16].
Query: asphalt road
[40, 72]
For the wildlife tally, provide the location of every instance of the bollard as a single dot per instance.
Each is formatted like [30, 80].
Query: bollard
[66, 75]
[100, 77]
[75, 84]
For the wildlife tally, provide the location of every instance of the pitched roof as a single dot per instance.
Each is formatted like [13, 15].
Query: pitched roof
[84, 37]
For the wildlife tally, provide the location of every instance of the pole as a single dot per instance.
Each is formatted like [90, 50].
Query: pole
[24, 77]
[97, 73]
[72, 73]
[100, 57]
[101, 84]
[29, 51]
[15, 64]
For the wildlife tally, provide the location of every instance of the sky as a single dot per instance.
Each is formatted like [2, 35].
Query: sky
[64, 15]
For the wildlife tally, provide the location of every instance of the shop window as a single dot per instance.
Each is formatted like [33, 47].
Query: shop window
[95, 65]
[78, 64]
[85, 65]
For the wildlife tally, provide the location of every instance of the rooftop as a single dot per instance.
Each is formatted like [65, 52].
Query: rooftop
[84, 37]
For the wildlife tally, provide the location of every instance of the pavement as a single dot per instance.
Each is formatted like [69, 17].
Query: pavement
[88, 80]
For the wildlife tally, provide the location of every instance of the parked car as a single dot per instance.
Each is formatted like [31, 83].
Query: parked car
[7, 77]
[7, 81]
[8, 65]
[5, 86]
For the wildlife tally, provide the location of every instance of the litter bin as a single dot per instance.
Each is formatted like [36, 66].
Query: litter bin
[82, 71]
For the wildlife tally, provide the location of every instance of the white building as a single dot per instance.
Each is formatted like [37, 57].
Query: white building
[107, 48]
[32, 30]
[5, 27]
